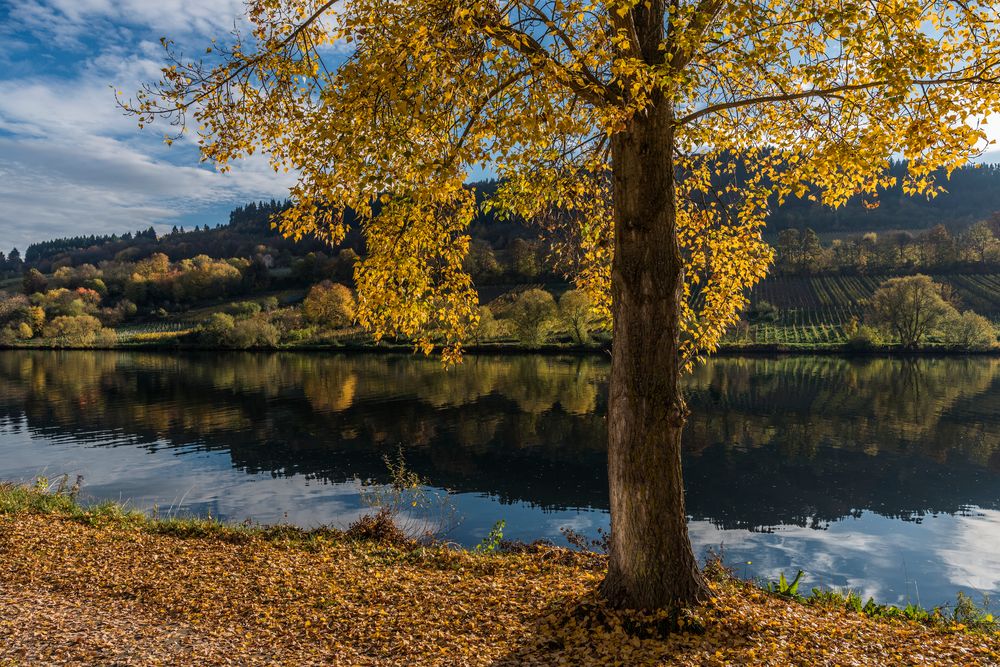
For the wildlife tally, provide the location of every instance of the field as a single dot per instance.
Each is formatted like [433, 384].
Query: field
[814, 310]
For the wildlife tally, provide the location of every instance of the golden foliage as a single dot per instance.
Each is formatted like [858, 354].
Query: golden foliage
[387, 106]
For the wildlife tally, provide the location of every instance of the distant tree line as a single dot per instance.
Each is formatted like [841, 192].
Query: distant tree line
[941, 234]
[972, 193]
[976, 249]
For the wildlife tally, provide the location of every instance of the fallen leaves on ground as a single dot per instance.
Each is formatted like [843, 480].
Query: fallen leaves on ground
[72, 593]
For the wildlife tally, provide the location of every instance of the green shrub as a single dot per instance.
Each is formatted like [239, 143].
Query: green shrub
[534, 313]
[969, 331]
[763, 311]
[255, 332]
[865, 338]
[244, 309]
[488, 327]
[219, 327]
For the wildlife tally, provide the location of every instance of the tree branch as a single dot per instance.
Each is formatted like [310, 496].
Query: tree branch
[593, 91]
[827, 92]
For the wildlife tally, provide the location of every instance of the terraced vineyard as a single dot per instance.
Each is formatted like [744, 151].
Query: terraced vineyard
[815, 309]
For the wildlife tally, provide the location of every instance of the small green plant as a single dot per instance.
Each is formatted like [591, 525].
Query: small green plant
[493, 539]
[966, 612]
[784, 587]
[419, 511]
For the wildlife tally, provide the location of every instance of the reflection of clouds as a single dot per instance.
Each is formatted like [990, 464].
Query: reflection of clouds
[889, 560]
[584, 523]
[971, 554]
[197, 482]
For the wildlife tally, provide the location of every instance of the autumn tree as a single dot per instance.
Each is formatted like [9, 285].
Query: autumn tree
[648, 137]
[910, 309]
[329, 304]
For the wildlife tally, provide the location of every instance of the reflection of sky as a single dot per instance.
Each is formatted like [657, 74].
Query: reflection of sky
[893, 561]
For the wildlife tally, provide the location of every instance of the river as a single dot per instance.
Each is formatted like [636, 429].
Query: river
[879, 475]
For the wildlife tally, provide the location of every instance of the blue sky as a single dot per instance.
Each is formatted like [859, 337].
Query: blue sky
[70, 163]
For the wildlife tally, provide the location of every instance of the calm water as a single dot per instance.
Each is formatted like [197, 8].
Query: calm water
[879, 475]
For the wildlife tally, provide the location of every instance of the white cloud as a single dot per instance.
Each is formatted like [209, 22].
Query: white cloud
[73, 20]
[72, 163]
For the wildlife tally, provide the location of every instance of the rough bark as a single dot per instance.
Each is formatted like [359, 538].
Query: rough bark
[651, 565]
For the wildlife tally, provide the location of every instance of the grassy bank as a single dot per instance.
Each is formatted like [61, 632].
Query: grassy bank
[105, 586]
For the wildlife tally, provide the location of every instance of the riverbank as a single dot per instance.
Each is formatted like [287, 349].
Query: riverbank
[172, 344]
[101, 585]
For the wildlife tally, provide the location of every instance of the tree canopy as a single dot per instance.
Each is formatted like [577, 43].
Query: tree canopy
[394, 102]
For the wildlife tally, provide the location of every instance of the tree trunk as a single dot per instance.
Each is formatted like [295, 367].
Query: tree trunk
[651, 565]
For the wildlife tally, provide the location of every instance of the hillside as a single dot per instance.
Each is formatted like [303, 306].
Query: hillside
[244, 285]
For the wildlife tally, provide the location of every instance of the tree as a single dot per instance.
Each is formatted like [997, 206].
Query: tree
[533, 313]
[74, 330]
[789, 249]
[14, 262]
[939, 246]
[812, 251]
[257, 276]
[576, 311]
[329, 304]
[524, 259]
[33, 281]
[219, 328]
[647, 138]
[910, 309]
[979, 241]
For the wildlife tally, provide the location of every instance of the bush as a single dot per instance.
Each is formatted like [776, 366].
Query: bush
[534, 313]
[106, 338]
[329, 304]
[219, 327]
[763, 311]
[488, 328]
[24, 331]
[79, 330]
[969, 331]
[865, 338]
[244, 309]
[253, 333]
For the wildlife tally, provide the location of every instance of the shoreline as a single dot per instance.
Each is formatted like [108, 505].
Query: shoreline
[100, 584]
[504, 349]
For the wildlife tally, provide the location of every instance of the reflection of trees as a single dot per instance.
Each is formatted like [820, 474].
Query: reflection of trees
[770, 441]
[919, 405]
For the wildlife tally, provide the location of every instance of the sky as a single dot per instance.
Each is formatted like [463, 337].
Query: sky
[70, 162]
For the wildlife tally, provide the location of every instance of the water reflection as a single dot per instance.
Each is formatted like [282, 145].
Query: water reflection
[795, 449]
